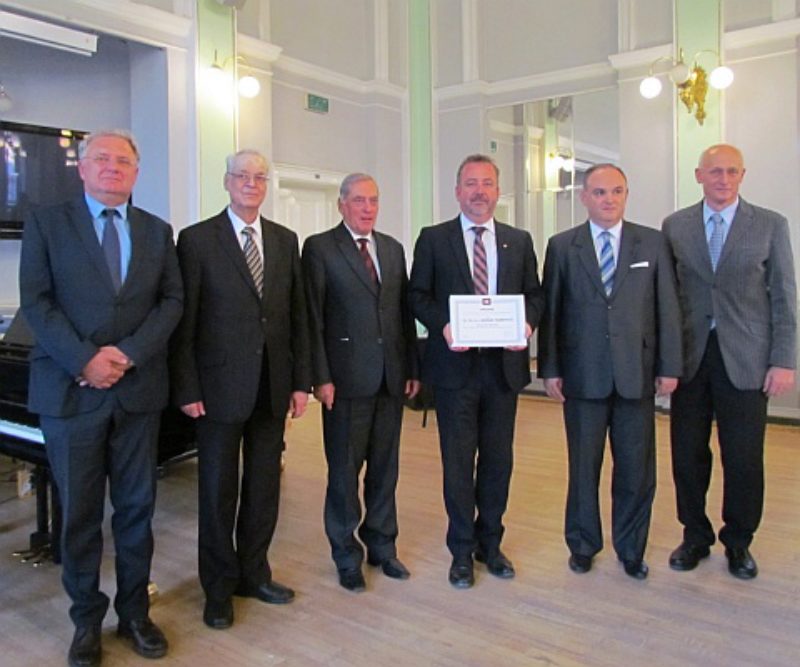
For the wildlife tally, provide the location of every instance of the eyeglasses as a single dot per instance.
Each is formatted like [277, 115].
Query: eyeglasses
[243, 177]
[103, 160]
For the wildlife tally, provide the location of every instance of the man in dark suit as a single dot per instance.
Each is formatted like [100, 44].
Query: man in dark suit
[364, 360]
[101, 290]
[737, 291]
[610, 338]
[240, 361]
[475, 389]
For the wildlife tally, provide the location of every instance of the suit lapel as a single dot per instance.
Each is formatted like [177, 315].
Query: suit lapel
[84, 225]
[227, 240]
[456, 236]
[696, 241]
[138, 244]
[584, 246]
[502, 240]
[629, 243]
[273, 262]
[739, 227]
[346, 245]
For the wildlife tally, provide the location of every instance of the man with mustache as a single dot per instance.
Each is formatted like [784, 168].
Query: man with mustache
[475, 389]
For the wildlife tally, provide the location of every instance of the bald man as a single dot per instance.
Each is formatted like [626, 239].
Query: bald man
[737, 292]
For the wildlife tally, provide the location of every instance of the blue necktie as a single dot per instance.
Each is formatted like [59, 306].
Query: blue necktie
[110, 245]
[716, 240]
[607, 265]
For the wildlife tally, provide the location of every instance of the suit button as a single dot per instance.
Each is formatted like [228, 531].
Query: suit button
[258, 352]
[263, 320]
[380, 341]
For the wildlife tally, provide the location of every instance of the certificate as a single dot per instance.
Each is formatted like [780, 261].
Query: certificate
[487, 320]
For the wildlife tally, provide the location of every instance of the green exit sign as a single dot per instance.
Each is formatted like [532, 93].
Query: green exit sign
[317, 103]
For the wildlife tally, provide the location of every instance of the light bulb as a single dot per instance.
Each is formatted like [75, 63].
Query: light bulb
[5, 100]
[680, 73]
[721, 77]
[249, 86]
[650, 87]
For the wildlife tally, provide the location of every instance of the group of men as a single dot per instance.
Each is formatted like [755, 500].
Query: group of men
[244, 329]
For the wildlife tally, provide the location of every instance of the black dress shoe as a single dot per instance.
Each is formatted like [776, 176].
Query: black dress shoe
[580, 564]
[636, 568]
[218, 614]
[461, 574]
[496, 563]
[392, 567]
[352, 579]
[270, 592]
[146, 639]
[741, 563]
[85, 649]
[687, 556]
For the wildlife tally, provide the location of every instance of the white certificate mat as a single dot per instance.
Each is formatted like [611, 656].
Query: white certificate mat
[480, 320]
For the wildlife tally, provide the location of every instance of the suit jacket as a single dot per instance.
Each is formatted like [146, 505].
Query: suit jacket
[752, 296]
[441, 268]
[72, 308]
[621, 342]
[360, 333]
[218, 348]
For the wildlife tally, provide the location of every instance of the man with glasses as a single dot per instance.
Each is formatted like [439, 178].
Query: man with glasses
[240, 361]
[101, 290]
[364, 360]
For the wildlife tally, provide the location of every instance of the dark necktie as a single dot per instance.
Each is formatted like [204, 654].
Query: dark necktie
[607, 265]
[480, 272]
[715, 242]
[253, 259]
[367, 258]
[110, 245]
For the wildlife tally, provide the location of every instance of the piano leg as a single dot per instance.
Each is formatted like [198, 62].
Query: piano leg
[45, 542]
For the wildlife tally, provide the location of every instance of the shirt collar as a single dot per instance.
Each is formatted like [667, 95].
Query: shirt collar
[239, 224]
[727, 213]
[596, 230]
[355, 236]
[96, 208]
[467, 224]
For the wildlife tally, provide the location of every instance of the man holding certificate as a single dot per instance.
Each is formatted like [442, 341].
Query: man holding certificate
[481, 263]
[610, 338]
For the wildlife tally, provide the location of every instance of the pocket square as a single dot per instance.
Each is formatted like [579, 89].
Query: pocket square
[640, 265]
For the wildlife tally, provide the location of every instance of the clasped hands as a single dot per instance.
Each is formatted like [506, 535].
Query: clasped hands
[105, 368]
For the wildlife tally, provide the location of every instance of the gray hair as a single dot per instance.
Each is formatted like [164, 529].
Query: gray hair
[125, 135]
[230, 160]
[478, 158]
[352, 179]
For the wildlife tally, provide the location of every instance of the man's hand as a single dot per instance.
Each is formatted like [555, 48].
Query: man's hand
[412, 388]
[528, 334]
[665, 385]
[194, 410]
[297, 403]
[324, 394]
[448, 336]
[105, 368]
[553, 387]
[778, 381]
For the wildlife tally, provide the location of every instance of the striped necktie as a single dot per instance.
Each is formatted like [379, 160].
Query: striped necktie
[110, 246]
[253, 259]
[480, 273]
[607, 265]
[716, 239]
[367, 259]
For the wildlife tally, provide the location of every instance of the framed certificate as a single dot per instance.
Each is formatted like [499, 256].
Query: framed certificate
[487, 320]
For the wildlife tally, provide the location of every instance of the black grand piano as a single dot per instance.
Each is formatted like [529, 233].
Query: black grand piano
[21, 438]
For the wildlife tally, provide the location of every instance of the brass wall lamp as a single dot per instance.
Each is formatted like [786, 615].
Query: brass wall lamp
[691, 82]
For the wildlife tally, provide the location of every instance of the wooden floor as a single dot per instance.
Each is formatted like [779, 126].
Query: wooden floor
[546, 616]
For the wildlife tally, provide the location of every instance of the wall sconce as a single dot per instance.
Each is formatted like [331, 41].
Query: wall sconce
[692, 82]
[560, 160]
[5, 100]
[247, 85]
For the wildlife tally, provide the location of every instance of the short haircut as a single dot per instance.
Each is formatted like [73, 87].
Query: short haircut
[478, 158]
[125, 135]
[716, 147]
[230, 160]
[352, 179]
[604, 165]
